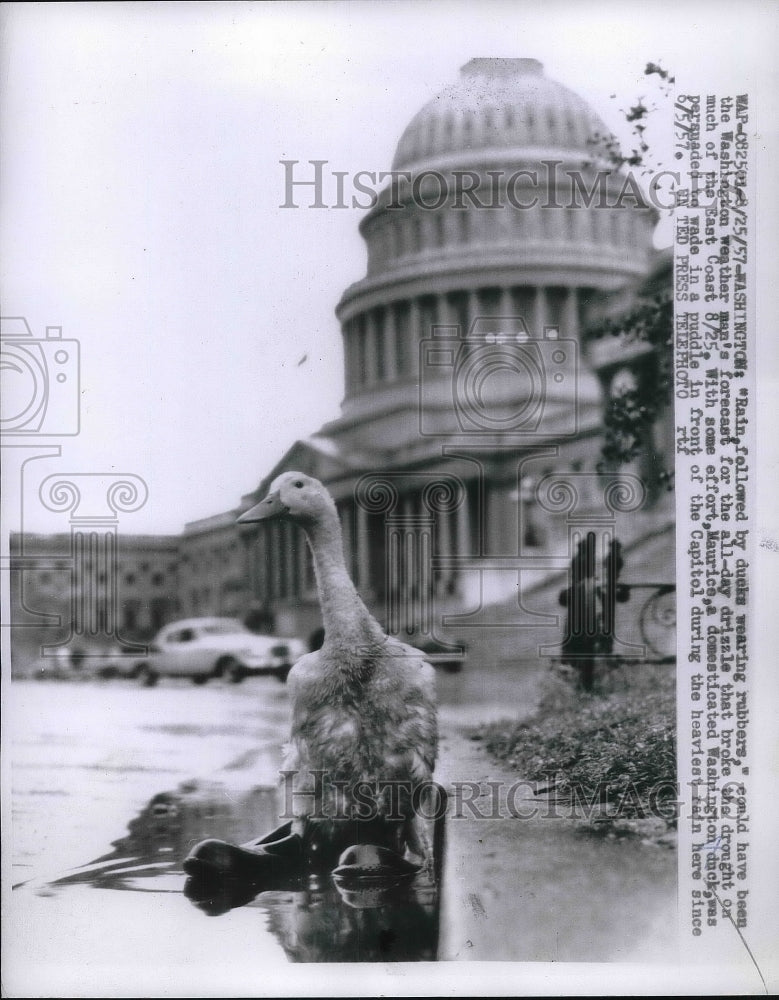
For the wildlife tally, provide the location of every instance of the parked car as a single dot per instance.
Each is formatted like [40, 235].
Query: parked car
[122, 662]
[203, 648]
[450, 661]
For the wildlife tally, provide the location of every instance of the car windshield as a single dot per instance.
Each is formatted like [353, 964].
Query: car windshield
[223, 628]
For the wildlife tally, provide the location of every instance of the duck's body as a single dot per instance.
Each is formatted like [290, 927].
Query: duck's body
[364, 735]
[373, 735]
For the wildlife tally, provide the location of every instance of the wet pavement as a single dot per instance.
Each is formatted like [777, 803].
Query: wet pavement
[112, 785]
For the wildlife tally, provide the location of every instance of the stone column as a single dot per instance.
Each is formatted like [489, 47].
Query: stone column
[302, 554]
[359, 353]
[446, 312]
[345, 516]
[506, 303]
[371, 366]
[540, 313]
[275, 561]
[259, 557]
[274, 550]
[445, 545]
[413, 334]
[355, 375]
[463, 532]
[571, 314]
[390, 333]
[290, 555]
[259, 561]
[361, 542]
[474, 308]
[380, 344]
[346, 336]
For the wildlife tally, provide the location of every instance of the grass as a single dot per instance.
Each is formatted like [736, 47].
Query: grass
[616, 745]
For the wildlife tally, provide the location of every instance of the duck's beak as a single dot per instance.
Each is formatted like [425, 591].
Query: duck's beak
[266, 509]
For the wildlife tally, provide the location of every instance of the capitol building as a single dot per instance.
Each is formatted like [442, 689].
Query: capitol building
[471, 393]
[466, 458]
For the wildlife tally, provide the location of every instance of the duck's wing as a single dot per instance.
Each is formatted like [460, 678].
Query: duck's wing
[305, 670]
[418, 730]
[413, 663]
[305, 685]
[300, 680]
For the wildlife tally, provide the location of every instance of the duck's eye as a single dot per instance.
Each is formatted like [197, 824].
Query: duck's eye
[299, 484]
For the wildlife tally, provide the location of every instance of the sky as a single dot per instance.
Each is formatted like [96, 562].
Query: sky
[141, 191]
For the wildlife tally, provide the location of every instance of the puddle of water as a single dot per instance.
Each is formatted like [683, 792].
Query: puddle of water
[512, 890]
[310, 917]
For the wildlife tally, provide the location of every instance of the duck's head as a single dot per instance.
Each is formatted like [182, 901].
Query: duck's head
[295, 496]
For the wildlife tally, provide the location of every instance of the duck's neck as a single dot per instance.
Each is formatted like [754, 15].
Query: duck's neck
[347, 622]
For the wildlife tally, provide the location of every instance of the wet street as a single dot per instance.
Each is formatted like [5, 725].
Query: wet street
[113, 783]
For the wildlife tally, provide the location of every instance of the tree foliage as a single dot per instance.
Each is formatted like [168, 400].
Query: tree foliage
[632, 411]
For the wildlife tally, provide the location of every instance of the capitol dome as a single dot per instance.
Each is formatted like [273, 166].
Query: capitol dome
[498, 105]
[485, 217]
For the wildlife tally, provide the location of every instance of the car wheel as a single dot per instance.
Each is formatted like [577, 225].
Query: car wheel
[146, 676]
[232, 670]
[229, 668]
[283, 674]
[200, 679]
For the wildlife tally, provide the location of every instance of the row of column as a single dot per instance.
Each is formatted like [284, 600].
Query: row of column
[384, 550]
[282, 568]
[399, 235]
[451, 132]
[381, 345]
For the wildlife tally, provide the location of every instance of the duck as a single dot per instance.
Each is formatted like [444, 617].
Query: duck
[363, 735]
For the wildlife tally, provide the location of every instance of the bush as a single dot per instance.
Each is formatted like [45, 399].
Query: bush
[618, 744]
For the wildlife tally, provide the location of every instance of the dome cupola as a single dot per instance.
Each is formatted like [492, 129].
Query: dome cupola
[498, 106]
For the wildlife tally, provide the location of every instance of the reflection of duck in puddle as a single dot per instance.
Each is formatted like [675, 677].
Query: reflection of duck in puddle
[373, 905]
[325, 925]
[351, 916]
[318, 918]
